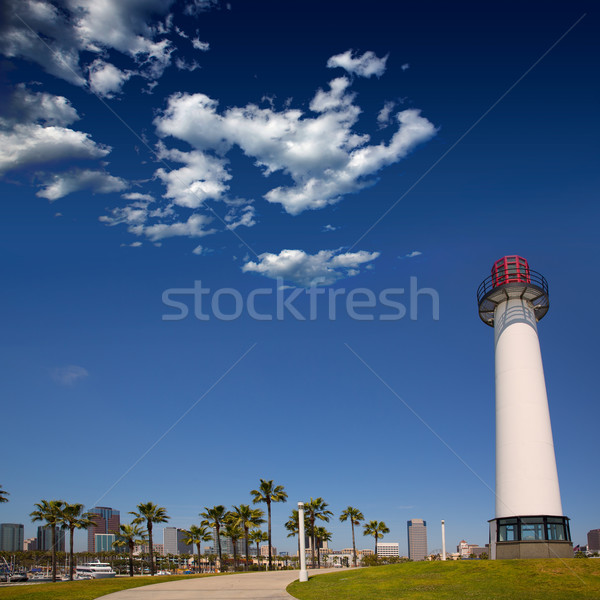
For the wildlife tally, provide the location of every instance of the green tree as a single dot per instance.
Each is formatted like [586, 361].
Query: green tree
[246, 518]
[74, 518]
[268, 493]
[196, 535]
[149, 513]
[127, 537]
[234, 532]
[256, 537]
[321, 535]
[51, 512]
[215, 517]
[377, 529]
[316, 509]
[355, 517]
[3, 494]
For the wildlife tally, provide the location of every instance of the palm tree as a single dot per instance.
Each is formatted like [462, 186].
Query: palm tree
[257, 536]
[376, 529]
[51, 512]
[316, 509]
[150, 514]
[355, 517]
[321, 535]
[73, 518]
[268, 493]
[214, 517]
[3, 494]
[128, 537]
[233, 531]
[246, 518]
[292, 526]
[197, 535]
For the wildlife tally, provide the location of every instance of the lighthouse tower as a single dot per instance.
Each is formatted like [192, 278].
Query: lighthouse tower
[529, 520]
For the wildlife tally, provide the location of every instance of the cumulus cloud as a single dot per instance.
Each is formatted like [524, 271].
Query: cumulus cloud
[323, 155]
[364, 66]
[33, 132]
[194, 227]
[411, 254]
[75, 180]
[65, 39]
[105, 79]
[383, 117]
[199, 45]
[68, 375]
[330, 228]
[324, 268]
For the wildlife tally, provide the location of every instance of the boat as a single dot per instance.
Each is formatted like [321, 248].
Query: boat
[94, 570]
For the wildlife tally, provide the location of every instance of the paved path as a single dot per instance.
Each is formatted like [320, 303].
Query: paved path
[250, 586]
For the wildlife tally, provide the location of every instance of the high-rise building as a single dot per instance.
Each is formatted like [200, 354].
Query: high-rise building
[173, 542]
[417, 539]
[593, 539]
[227, 545]
[44, 538]
[103, 542]
[107, 520]
[30, 544]
[11, 537]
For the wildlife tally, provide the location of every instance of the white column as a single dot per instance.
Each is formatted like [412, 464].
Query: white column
[303, 573]
[443, 540]
[526, 476]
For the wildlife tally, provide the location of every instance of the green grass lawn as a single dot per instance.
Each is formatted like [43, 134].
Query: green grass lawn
[83, 590]
[553, 579]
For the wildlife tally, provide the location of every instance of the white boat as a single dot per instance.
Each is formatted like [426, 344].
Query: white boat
[94, 570]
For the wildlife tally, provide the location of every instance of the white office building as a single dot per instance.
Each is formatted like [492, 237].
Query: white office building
[388, 549]
[173, 542]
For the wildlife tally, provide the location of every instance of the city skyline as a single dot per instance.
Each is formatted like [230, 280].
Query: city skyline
[166, 164]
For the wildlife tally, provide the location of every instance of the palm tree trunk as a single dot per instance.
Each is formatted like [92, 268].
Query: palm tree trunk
[151, 550]
[246, 547]
[258, 554]
[353, 542]
[318, 556]
[269, 528]
[71, 531]
[198, 565]
[131, 559]
[234, 554]
[312, 537]
[218, 530]
[53, 553]
[375, 543]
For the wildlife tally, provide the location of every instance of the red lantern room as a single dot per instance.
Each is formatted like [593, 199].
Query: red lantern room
[510, 269]
[512, 278]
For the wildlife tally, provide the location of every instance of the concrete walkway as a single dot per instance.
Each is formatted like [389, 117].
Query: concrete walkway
[249, 586]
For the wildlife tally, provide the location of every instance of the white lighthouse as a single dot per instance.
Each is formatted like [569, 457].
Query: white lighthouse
[529, 520]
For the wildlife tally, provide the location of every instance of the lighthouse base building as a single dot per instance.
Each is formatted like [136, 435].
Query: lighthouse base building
[529, 520]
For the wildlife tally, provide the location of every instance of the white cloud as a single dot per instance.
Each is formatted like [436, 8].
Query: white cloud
[65, 39]
[245, 217]
[75, 180]
[330, 228]
[323, 155]
[198, 250]
[202, 177]
[364, 66]
[199, 45]
[32, 132]
[411, 254]
[193, 228]
[383, 117]
[68, 375]
[183, 65]
[27, 145]
[105, 79]
[324, 268]
[405, 67]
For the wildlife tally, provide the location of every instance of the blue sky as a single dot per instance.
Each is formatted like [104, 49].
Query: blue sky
[148, 145]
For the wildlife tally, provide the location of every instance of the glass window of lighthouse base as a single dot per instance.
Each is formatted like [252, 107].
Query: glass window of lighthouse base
[533, 528]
